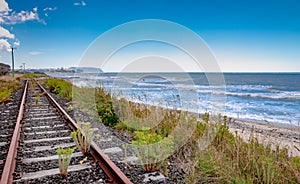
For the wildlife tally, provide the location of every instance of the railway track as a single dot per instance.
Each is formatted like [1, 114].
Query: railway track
[9, 113]
[42, 126]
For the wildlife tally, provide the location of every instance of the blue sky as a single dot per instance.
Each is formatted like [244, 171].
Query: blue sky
[244, 35]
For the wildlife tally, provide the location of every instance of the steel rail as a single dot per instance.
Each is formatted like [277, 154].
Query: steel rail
[110, 169]
[10, 163]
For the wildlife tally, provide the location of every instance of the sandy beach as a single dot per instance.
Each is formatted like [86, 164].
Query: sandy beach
[274, 134]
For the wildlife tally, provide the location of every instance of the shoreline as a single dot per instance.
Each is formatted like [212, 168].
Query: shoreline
[283, 136]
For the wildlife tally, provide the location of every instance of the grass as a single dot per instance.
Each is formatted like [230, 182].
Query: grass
[231, 160]
[32, 75]
[7, 87]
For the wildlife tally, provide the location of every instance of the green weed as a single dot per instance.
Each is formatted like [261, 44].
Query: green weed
[64, 158]
[152, 149]
[37, 98]
[83, 137]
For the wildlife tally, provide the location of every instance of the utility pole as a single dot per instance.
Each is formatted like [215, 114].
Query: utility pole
[13, 62]
[24, 67]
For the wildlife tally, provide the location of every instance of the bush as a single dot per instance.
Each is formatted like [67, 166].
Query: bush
[105, 108]
[60, 87]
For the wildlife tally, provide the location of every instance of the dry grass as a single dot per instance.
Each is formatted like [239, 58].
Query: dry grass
[229, 159]
[7, 86]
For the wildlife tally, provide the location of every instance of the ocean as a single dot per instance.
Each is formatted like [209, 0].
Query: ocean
[259, 97]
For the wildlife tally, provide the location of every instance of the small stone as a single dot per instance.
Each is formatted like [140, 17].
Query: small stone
[154, 176]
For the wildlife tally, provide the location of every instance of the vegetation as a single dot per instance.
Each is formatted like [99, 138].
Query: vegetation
[32, 75]
[151, 148]
[105, 107]
[60, 87]
[37, 98]
[231, 160]
[64, 158]
[83, 137]
[227, 159]
[6, 88]
[90, 99]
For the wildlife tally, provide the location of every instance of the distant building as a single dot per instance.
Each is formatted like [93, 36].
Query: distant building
[4, 69]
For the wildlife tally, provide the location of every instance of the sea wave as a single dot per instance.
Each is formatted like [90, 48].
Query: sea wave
[283, 95]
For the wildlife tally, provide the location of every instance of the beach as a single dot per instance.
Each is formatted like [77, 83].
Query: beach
[286, 137]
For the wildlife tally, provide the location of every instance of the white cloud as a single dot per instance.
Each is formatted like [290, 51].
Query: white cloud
[4, 33]
[35, 53]
[12, 18]
[3, 6]
[82, 3]
[50, 9]
[4, 45]
[47, 9]
[17, 43]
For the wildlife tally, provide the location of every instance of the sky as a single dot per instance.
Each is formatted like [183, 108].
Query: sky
[244, 36]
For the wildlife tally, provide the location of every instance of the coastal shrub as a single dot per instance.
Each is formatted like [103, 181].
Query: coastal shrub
[60, 87]
[83, 137]
[105, 107]
[64, 158]
[139, 110]
[170, 120]
[124, 127]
